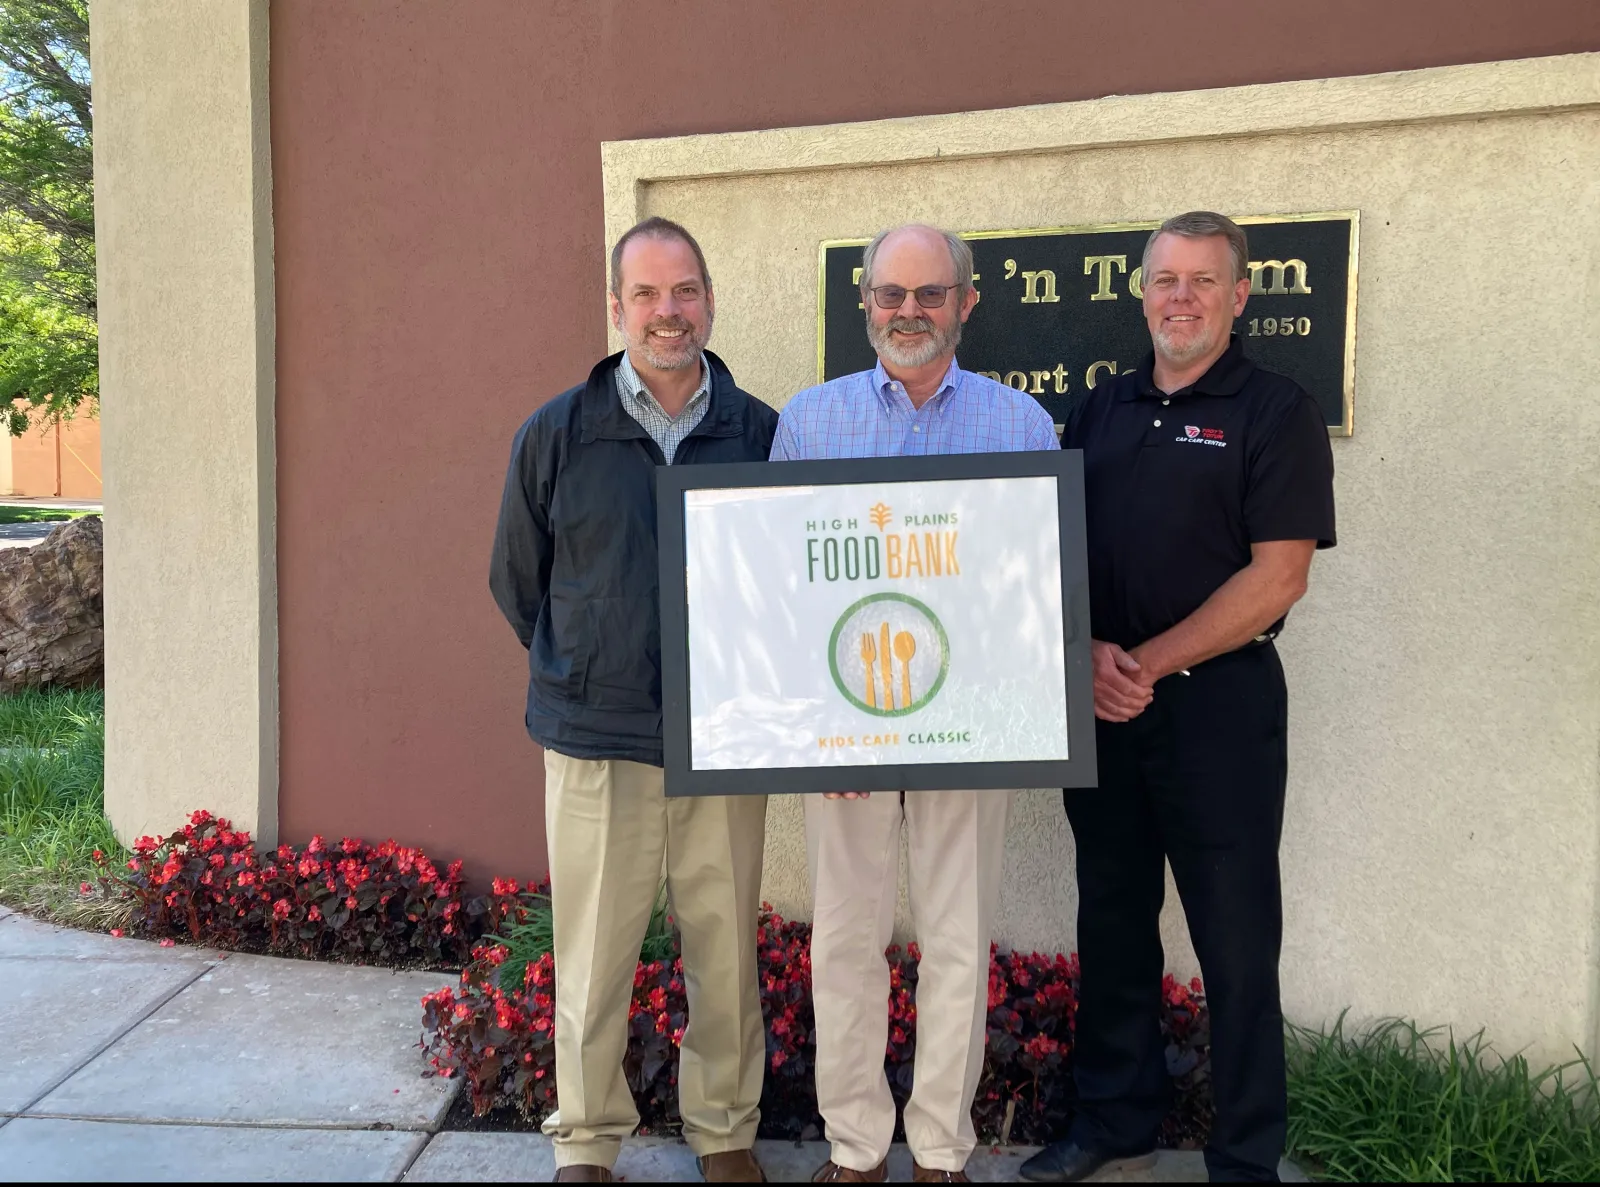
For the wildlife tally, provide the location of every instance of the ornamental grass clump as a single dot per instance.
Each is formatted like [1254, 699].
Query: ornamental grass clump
[532, 934]
[1395, 1103]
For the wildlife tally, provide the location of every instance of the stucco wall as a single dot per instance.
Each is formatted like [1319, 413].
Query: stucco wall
[435, 177]
[439, 246]
[184, 242]
[1442, 847]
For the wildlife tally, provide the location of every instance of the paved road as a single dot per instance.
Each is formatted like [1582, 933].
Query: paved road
[45, 501]
[24, 535]
[122, 1060]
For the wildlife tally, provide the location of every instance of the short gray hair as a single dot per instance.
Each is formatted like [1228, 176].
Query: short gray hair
[960, 254]
[1205, 224]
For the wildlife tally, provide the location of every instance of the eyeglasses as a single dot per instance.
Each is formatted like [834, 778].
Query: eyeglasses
[893, 296]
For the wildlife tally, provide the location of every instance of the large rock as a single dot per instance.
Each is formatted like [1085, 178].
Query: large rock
[52, 616]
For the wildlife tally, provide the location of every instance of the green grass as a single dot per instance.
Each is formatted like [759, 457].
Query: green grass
[52, 805]
[13, 514]
[529, 940]
[1398, 1104]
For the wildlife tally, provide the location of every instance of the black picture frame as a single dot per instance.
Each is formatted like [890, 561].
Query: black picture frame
[681, 779]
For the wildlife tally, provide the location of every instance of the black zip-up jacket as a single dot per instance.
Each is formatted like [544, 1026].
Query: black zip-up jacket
[575, 565]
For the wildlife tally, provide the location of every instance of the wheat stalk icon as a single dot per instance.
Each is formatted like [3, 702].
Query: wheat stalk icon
[880, 514]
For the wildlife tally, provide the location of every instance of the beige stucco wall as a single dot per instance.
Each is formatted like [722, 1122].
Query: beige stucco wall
[1442, 846]
[184, 240]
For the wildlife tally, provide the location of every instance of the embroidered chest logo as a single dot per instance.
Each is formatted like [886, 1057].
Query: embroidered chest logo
[1195, 435]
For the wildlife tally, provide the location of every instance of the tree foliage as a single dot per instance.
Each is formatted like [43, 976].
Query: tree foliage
[49, 356]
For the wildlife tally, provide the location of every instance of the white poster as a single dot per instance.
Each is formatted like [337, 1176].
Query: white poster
[875, 623]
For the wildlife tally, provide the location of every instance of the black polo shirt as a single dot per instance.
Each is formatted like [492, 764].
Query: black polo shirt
[1178, 487]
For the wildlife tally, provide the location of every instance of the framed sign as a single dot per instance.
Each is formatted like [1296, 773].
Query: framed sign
[875, 624]
[1059, 308]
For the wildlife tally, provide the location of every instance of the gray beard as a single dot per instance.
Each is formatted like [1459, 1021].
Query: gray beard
[680, 358]
[686, 353]
[937, 344]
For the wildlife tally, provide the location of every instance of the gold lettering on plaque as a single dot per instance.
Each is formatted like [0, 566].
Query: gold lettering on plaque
[1095, 368]
[1017, 379]
[1136, 284]
[1033, 281]
[1061, 379]
[1279, 269]
[1105, 264]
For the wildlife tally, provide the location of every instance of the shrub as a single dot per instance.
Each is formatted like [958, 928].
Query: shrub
[384, 903]
[499, 1038]
[499, 1035]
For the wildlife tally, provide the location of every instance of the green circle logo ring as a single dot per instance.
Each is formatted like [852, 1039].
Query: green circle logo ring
[889, 655]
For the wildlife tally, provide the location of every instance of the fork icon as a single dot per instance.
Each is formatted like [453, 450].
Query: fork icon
[869, 656]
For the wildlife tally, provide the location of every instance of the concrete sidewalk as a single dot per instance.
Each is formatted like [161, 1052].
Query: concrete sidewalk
[52, 501]
[121, 1060]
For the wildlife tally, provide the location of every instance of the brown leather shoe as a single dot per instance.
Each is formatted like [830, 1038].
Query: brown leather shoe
[832, 1172]
[923, 1174]
[583, 1172]
[731, 1166]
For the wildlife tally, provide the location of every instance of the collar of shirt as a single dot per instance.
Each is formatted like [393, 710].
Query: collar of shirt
[892, 393]
[1225, 377]
[637, 397]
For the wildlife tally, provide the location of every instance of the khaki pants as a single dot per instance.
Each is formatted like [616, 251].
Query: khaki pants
[609, 827]
[956, 842]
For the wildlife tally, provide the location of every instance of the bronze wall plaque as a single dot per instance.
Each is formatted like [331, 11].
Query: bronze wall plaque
[1059, 307]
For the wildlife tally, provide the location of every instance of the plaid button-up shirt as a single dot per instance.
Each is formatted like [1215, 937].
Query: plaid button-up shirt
[868, 414]
[664, 430]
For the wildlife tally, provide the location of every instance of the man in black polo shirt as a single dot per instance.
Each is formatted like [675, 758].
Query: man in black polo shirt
[1209, 485]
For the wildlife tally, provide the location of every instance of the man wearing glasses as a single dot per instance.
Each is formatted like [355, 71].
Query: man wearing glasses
[916, 285]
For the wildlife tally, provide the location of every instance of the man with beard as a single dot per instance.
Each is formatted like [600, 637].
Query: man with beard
[575, 572]
[1209, 485]
[916, 285]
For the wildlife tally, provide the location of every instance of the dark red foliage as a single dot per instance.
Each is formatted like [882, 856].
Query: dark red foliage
[501, 1040]
[352, 901]
[390, 904]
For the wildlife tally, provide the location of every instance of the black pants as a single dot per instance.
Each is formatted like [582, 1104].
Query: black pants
[1198, 779]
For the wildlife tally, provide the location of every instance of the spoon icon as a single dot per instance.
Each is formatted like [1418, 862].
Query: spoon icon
[905, 646]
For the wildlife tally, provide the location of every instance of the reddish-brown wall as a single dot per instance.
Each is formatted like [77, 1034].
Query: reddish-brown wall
[437, 214]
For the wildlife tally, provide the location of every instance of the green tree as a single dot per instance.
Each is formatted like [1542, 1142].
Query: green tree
[49, 354]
